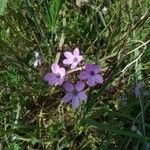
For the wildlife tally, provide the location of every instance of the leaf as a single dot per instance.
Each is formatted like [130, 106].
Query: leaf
[113, 129]
[2, 6]
[57, 4]
[47, 8]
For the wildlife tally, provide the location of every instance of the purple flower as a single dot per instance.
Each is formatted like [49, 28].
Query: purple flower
[72, 59]
[75, 93]
[137, 90]
[91, 75]
[57, 75]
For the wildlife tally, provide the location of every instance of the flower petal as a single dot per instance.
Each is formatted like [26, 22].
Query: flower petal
[60, 81]
[76, 52]
[89, 67]
[36, 54]
[35, 63]
[82, 96]
[91, 81]
[79, 58]
[67, 61]
[98, 78]
[69, 87]
[84, 75]
[74, 65]
[68, 97]
[75, 102]
[96, 68]
[68, 55]
[79, 86]
[50, 78]
[55, 68]
[39, 62]
[62, 72]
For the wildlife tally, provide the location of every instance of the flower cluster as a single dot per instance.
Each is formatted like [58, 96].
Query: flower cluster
[89, 76]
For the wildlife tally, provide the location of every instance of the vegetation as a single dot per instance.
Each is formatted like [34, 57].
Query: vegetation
[113, 34]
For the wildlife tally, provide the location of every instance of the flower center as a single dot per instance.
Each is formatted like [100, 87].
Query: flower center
[92, 73]
[58, 76]
[75, 59]
[75, 93]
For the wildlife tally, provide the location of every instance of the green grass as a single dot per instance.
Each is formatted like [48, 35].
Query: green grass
[33, 115]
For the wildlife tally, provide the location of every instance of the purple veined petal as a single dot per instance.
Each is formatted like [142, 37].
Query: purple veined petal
[62, 72]
[68, 97]
[82, 96]
[76, 52]
[89, 67]
[74, 65]
[69, 87]
[67, 61]
[79, 86]
[47, 76]
[91, 81]
[98, 78]
[50, 78]
[75, 102]
[79, 58]
[84, 75]
[55, 68]
[96, 68]
[68, 55]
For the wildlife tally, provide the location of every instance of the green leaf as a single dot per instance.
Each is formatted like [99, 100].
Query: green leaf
[57, 4]
[113, 129]
[2, 6]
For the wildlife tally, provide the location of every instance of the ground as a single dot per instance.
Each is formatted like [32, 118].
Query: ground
[113, 34]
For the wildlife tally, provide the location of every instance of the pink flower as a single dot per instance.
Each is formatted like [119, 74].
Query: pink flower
[91, 75]
[72, 59]
[57, 75]
[75, 93]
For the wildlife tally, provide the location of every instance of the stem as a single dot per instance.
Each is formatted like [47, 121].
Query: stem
[74, 70]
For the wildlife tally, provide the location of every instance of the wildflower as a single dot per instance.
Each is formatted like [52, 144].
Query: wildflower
[57, 75]
[137, 90]
[104, 10]
[75, 93]
[91, 75]
[72, 59]
[37, 61]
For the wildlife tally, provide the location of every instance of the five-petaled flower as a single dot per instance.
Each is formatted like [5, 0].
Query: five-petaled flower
[91, 75]
[72, 59]
[75, 94]
[57, 75]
